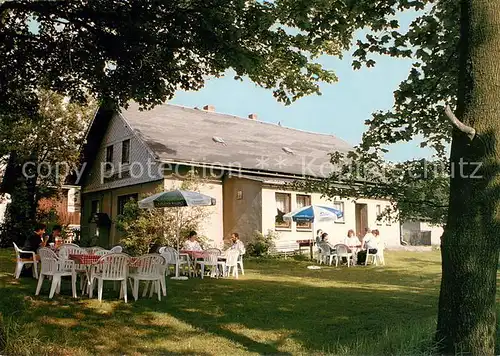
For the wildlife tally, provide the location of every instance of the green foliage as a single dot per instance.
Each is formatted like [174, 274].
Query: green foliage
[143, 228]
[89, 241]
[120, 51]
[52, 136]
[416, 191]
[47, 214]
[16, 226]
[261, 244]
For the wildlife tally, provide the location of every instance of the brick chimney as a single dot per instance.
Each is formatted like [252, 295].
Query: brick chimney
[252, 116]
[209, 108]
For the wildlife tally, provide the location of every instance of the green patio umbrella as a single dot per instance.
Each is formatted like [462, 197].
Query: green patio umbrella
[176, 198]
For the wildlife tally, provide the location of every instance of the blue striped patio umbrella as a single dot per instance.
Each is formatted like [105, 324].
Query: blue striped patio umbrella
[313, 214]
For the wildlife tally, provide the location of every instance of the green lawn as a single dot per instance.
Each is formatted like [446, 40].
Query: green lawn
[278, 307]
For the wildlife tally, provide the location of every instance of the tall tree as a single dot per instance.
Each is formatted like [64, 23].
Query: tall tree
[467, 313]
[41, 151]
[454, 45]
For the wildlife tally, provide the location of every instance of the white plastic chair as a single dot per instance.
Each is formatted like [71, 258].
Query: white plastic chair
[319, 255]
[148, 268]
[163, 268]
[380, 255]
[117, 249]
[110, 267]
[52, 266]
[20, 262]
[373, 256]
[341, 251]
[71, 249]
[92, 250]
[240, 264]
[172, 258]
[326, 254]
[102, 252]
[231, 263]
[211, 260]
[376, 258]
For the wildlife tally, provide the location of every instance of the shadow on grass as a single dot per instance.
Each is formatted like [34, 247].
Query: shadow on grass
[244, 312]
[425, 275]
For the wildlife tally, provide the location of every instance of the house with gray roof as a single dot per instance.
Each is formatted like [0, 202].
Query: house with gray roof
[245, 163]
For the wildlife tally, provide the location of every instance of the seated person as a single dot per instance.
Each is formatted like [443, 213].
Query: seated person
[237, 244]
[192, 244]
[324, 240]
[35, 241]
[319, 233]
[351, 240]
[55, 236]
[372, 241]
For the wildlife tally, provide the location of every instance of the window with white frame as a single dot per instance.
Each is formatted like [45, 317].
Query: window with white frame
[283, 207]
[339, 205]
[378, 210]
[302, 201]
[388, 221]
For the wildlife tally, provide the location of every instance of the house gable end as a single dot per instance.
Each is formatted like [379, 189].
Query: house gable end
[141, 167]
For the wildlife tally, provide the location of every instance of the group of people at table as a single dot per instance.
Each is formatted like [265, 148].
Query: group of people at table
[193, 251]
[370, 242]
[39, 239]
[192, 243]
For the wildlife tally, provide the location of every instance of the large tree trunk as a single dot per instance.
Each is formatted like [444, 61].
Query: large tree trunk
[469, 246]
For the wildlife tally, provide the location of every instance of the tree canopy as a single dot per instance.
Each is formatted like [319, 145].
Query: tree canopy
[40, 150]
[146, 50]
[418, 188]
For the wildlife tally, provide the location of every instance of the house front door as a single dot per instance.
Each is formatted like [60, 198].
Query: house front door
[361, 219]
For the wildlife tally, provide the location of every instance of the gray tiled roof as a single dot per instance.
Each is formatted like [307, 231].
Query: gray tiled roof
[182, 134]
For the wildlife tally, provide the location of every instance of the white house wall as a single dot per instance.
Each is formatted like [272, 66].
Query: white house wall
[436, 232]
[390, 233]
[213, 227]
[118, 131]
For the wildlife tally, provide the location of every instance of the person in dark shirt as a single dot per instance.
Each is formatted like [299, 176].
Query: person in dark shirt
[35, 241]
[55, 235]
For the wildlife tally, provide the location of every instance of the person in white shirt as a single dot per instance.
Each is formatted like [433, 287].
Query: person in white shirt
[237, 243]
[372, 241]
[192, 244]
[351, 240]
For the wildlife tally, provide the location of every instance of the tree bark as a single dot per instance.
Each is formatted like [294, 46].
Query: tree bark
[470, 243]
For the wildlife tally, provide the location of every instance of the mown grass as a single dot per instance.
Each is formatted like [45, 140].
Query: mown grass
[278, 307]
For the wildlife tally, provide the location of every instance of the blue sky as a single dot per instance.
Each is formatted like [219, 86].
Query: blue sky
[341, 110]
